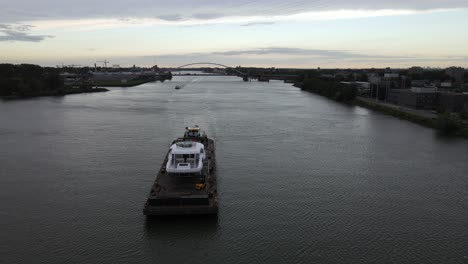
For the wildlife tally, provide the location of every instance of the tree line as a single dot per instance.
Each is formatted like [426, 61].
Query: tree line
[29, 79]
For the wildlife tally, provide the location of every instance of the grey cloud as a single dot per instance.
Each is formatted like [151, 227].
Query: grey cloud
[257, 24]
[266, 57]
[27, 10]
[171, 18]
[15, 27]
[304, 58]
[18, 32]
[207, 15]
[297, 56]
[328, 54]
[290, 51]
[21, 36]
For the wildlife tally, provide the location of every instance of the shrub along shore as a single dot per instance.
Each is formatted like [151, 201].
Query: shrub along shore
[55, 93]
[119, 83]
[28, 80]
[446, 123]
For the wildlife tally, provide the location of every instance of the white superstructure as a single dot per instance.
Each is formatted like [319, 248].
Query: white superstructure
[186, 157]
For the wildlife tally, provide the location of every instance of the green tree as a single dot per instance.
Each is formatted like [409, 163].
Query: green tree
[7, 70]
[53, 81]
[6, 86]
[30, 70]
[449, 124]
[464, 115]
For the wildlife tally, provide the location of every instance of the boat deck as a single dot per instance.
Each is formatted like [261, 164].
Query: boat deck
[177, 194]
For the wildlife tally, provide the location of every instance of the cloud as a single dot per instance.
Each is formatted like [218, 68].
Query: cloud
[258, 23]
[15, 27]
[271, 56]
[203, 16]
[27, 10]
[281, 57]
[180, 20]
[19, 32]
[21, 36]
[292, 52]
[170, 17]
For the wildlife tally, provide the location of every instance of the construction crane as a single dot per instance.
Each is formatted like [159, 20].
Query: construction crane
[105, 63]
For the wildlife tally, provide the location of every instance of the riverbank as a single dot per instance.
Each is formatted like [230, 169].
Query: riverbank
[55, 93]
[447, 123]
[330, 89]
[119, 83]
[439, 122]
[396, 111]
[127, 80]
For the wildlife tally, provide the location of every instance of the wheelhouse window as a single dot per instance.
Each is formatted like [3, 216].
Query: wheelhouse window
[185, 158]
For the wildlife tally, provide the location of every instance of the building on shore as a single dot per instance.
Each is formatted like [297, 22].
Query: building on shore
[429, 98]
[362, 87]
[452, 102]
[457, 74]
[418, 88]
[416, 97]
[380, 86]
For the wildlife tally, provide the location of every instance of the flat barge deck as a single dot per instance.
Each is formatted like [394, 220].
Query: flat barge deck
[185, 194]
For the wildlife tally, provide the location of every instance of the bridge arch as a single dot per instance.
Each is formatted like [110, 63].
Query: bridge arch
[211, 63]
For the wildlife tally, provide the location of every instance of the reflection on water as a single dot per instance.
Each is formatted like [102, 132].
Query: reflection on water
[301, 179]
[192, 226]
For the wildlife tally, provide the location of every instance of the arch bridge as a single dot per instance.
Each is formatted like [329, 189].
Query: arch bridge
[261, 76]
[212, 63]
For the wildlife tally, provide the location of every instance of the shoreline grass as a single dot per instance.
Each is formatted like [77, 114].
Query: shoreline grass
[54, 93]
[118, 83]
[445, 123]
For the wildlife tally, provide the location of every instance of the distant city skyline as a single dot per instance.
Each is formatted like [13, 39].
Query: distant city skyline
[292, 34]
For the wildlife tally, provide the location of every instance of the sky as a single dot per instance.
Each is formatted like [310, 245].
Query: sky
[265, 33]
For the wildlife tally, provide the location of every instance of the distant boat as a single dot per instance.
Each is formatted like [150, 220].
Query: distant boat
[178, 87]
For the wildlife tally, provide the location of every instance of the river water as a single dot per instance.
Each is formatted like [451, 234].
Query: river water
[302, 179]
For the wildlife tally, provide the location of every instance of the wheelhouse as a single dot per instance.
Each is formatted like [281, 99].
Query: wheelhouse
[192, 132]
[186, 157]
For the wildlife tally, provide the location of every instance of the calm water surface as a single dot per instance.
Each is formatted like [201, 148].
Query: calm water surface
[301, 179]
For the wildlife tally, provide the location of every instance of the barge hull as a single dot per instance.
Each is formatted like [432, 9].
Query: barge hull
[164, 202]
[177, 210]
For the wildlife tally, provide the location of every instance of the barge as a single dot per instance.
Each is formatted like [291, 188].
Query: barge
[186, 182]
